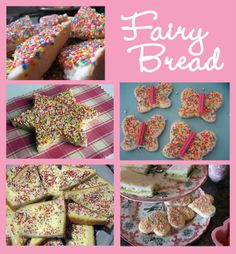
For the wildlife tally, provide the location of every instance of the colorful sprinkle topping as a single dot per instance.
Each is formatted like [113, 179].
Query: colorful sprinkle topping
[88, 24]
[153, 97]
[131, 127]
[34, 47]
[56, 117]
[190, 104]
[203, 142]
[80, 54]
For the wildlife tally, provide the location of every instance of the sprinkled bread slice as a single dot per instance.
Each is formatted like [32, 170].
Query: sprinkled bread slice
[12, 232]
[155, 222]
[12, 172]
[94, 181]
[45, 219]
[78, 214]
[183, 201]
[56, 180]
[175, 217]
[81, 235]
[203, 206]
[35, 55]
[74, 175]
[25, 188]
[88, 24]
[84, 60]
[187, 212]
[98, 199]
[51, 179]
[17, 32]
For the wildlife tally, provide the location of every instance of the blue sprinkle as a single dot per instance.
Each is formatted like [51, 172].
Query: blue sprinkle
[38, 55]
[24, 66]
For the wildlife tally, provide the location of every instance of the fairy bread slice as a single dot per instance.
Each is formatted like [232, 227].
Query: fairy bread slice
[25, 188]
[45, 219]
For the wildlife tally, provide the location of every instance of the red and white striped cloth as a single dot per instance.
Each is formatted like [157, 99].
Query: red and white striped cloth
[21, 144]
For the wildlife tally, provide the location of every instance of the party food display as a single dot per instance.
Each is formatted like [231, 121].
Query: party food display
[88, 24]
[187, 144]
[139, 134]
[64, 216]
[167, 222]
[83, 60]
[158, 184]
[201, 105]
[153, 97]
[55, 119]
[57, 44]
[34, 56]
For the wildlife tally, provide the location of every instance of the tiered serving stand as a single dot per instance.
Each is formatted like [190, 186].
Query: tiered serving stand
[134, 208]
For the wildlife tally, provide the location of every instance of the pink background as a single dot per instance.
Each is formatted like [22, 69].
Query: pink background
[217, 17]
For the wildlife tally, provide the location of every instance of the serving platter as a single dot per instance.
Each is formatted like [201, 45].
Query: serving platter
[171, 189]
[132, 212]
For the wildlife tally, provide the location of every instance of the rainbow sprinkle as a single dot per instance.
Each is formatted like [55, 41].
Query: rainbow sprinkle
[56, 117]
[80, 54]
[88, 24]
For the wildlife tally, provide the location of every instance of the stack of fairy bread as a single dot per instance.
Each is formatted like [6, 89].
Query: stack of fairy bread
[48, 205]
[58, 47]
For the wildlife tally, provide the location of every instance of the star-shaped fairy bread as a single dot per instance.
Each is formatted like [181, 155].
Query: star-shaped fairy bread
[56, 118]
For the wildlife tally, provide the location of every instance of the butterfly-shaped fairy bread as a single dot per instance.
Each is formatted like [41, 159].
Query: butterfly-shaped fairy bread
[153, 97]
[188, 145]
[200, 105]
[139, 134]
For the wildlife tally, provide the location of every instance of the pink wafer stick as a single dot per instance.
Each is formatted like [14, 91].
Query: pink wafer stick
[152, 95]
[201, 100]
[187, 143]
[141, 134]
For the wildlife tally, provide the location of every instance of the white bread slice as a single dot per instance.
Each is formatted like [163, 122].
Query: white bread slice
[84, 60]
[203, 206]
[12, 172]
[187, 212]
[51, 179]
[74, 175]
[81, 235]
[78, 214]
[44, 219]
[56, 180]
[94, 181]
[98, 199]
[155, 222]
[25, 188]
[12, 231]
[35, 56]
[175, 217]
[138, 184]
[17, 32]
